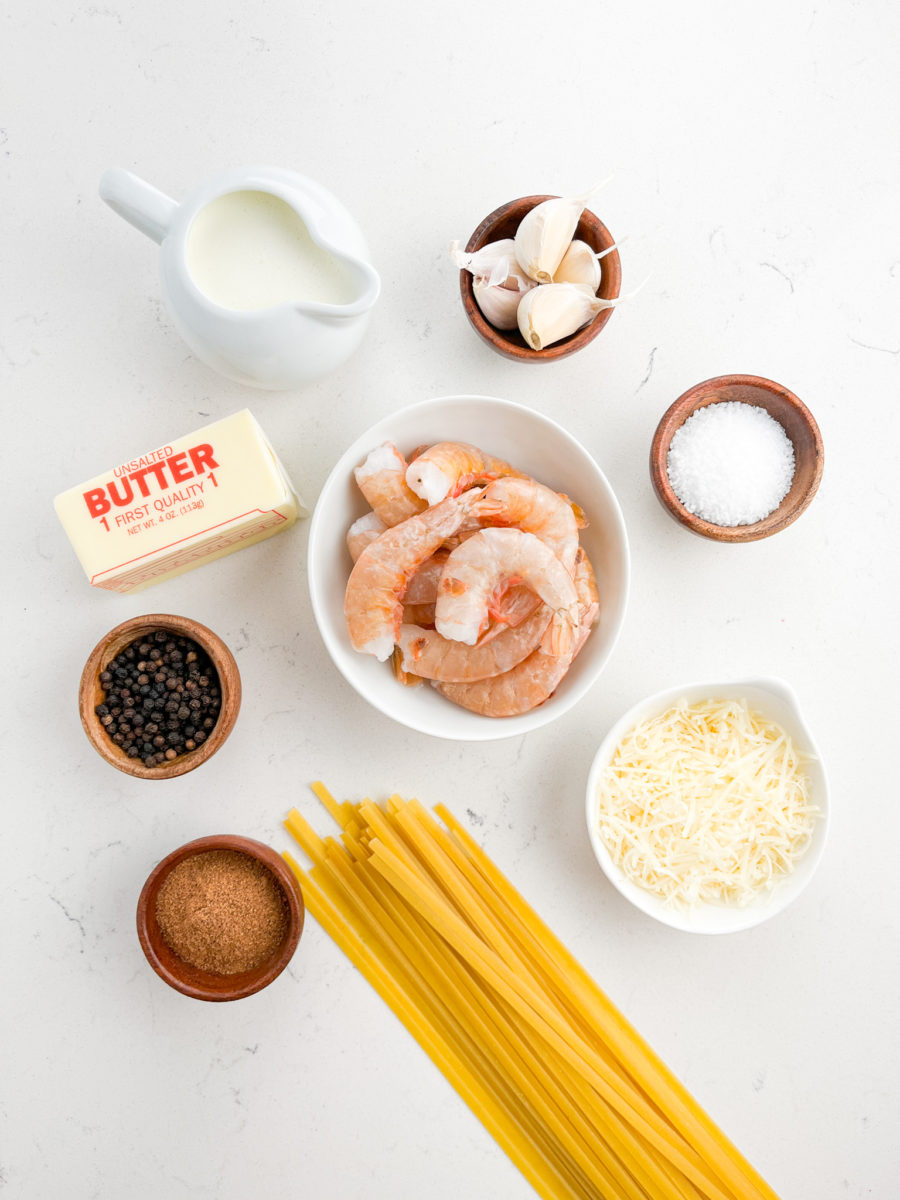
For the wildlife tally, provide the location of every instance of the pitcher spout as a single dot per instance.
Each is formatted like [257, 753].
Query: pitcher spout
[363, 287]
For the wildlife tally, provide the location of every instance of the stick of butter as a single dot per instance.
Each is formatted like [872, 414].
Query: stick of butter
[184, 504]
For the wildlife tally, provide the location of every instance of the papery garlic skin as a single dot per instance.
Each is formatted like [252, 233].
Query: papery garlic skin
[544, 235]
[488, 261]
[555, 310]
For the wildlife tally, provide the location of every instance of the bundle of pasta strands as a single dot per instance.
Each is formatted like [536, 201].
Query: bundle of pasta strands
[570, 1091]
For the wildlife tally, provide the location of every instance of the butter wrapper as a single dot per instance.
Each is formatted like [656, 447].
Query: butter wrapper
[179, 506]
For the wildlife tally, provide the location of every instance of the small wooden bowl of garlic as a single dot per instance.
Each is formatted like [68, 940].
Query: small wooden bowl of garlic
[539, 277]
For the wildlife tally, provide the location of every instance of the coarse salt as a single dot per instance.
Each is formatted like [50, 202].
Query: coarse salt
[730, 463]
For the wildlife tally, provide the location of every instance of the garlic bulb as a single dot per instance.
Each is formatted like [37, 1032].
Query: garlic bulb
[498, 282]
[581, 264]
[553, 311]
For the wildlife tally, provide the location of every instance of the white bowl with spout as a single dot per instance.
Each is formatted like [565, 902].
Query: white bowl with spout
[275, 344]
[774, 699]
[529, 441]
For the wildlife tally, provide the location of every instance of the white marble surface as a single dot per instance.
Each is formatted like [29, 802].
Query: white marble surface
[756, 176]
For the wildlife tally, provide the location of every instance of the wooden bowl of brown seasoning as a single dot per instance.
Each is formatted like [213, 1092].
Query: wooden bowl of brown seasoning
[220, 917]
[173, 754]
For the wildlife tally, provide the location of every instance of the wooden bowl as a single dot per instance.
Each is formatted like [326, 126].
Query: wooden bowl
[503, 223]
[797, 422]
[91, 693]
[204, 985]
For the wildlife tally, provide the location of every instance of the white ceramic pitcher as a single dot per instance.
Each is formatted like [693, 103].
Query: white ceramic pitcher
[277, 347]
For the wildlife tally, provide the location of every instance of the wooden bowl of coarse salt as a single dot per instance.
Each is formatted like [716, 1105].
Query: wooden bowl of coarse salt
[736, 458]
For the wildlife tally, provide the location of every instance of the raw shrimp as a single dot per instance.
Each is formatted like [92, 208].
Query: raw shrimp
[513, 607]
[448, 468]
[373, 601]
[537, 677]
[363, 531]
[490, 561]
[424, 652]
[423, 587]
[537, 509]
[381, 480]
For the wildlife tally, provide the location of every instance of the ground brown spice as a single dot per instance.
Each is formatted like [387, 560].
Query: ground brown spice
[222, 911]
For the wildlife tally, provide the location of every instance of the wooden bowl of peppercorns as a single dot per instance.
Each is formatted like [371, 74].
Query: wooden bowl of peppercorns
[159, 695]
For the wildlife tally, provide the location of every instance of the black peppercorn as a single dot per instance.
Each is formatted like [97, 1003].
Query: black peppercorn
[161, 698]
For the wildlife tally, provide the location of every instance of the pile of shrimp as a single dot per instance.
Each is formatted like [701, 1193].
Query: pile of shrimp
[470, 574]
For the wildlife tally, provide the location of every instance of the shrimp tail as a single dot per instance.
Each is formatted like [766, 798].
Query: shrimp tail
[399, 674]
[580, 519]
[489, 511]
[560, 639]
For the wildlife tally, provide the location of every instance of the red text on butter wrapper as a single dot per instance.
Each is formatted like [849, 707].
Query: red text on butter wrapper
[158, 476]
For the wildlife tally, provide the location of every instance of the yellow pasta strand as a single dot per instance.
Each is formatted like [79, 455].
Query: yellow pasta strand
[426, 837]
[631, 1048]
[326, 854]
[521, 1149]
[564, 1083]
[531, 1008]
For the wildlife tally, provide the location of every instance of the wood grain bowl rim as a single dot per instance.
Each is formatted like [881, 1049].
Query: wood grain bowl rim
[203, 985]
[90, 692]
[786, 408]
[510, 343]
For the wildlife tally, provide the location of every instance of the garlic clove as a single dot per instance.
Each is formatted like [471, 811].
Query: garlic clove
[498, 303]
[581, 264]
[544, 235]
[578, 265]
[545, 232]
[553, 311]
[498, 282]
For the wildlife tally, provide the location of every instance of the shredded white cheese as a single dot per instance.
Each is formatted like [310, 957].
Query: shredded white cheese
[705, 803]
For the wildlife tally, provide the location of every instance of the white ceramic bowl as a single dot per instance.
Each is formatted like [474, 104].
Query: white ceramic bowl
[531, 442]
[775, 699]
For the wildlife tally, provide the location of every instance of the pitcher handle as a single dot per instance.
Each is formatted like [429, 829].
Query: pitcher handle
[141, 204]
